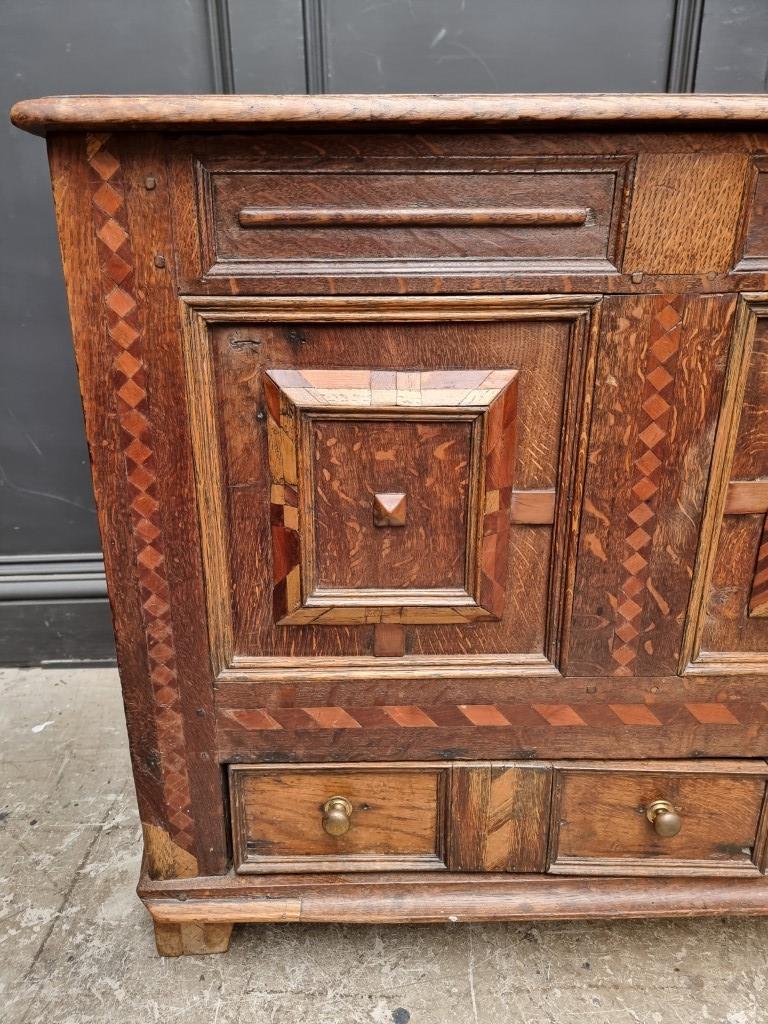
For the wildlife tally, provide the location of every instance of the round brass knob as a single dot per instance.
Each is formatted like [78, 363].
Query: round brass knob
[664, 818]
[336, 816]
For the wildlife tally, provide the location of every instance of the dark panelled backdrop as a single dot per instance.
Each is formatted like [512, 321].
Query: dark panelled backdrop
[52, 594]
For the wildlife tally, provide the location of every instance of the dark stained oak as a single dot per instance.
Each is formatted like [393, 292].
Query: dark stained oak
[429, 439]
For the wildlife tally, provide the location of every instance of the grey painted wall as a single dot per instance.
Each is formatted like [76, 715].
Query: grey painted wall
[51, 587]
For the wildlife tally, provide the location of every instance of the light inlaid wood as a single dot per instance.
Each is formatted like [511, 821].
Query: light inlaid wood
[746, 497]
[534, 508]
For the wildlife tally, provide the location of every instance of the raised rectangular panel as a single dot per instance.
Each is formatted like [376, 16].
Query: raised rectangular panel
[313, 416]
[325, 204]
[727, 629]
[256, 217]
[445, 438]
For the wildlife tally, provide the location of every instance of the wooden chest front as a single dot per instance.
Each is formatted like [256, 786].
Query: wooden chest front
[431, 467]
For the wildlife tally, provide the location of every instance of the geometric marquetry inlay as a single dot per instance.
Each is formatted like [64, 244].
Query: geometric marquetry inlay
[348, 449]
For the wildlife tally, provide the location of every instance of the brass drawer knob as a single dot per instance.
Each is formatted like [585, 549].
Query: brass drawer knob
[337, 813]
[664, 818]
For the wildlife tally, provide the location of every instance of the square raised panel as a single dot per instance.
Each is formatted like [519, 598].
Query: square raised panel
[354, 470]
[390, 493]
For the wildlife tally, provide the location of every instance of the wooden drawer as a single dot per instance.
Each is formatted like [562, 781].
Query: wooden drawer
[395, 816]
[600, 822]
[552, 211]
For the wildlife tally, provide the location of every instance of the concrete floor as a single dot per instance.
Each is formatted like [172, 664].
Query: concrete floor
[76, 945]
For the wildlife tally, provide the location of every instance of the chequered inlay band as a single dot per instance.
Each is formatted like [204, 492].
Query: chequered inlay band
[125, 332]
[654, 424]
[452, 716]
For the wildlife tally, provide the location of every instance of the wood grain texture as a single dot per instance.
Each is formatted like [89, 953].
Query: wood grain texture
[661, 358]
[499, 813]
[685, 213]
[600, 825]
[207, 112]
[722, 629]
[729, 628]
[397, 820]
[191, 937]
[432, 461]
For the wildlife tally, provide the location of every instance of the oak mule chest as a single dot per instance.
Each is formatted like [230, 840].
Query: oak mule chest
[430, 447]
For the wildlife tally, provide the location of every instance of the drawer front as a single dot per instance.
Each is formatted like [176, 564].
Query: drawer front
[299, 204]
[559, 215]
[601, 819]
[338, 819]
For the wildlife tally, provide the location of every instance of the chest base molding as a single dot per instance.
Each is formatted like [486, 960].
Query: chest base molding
[212, 905]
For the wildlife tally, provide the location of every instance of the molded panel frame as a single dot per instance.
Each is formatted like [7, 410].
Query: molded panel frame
[484, 400]
[198, 312]
[727, 497]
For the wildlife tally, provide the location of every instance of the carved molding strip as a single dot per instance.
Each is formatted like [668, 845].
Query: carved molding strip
[405, 217]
